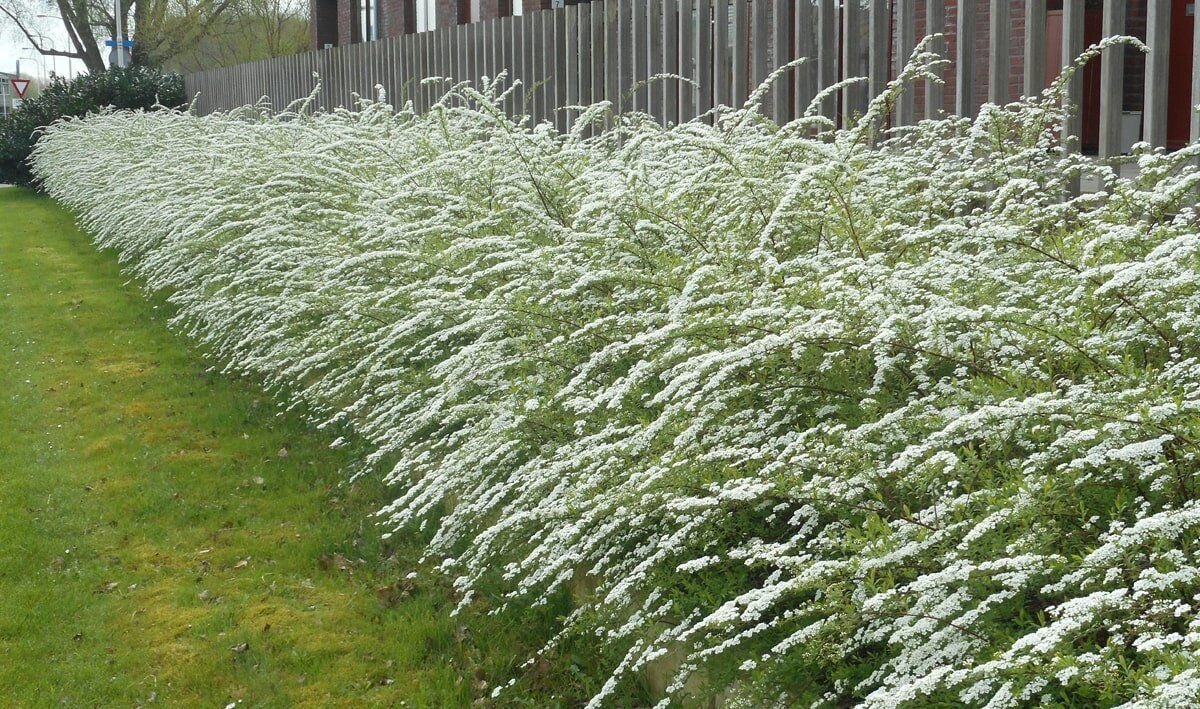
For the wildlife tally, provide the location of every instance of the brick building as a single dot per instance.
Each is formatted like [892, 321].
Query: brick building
[339, 22]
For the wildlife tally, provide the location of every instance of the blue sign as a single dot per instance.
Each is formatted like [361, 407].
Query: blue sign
[128, 44]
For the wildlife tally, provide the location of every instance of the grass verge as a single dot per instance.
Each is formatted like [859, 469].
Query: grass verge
[168, 535]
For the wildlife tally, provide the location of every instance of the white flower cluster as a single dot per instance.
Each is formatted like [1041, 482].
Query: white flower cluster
[816, 416]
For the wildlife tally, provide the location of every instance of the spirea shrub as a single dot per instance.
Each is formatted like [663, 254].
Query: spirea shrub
[134, 87]
[801, 415]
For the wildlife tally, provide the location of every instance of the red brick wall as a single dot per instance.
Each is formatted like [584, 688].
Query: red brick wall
[349, 30]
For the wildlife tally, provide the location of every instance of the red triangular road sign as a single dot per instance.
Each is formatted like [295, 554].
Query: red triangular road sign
[19, 85]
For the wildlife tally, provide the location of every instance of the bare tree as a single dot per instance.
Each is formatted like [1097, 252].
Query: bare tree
[164, 29]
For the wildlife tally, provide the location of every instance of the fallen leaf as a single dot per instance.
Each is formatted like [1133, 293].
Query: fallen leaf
[283, 453]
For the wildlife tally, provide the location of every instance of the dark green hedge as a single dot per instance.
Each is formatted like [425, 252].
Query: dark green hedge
[135, 87]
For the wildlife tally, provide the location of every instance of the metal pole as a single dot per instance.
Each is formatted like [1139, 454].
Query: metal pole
[120, 38]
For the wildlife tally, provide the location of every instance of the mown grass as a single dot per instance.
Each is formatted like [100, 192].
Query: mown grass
[168, 535]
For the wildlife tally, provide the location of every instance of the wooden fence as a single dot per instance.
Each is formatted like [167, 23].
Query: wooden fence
[609, 49]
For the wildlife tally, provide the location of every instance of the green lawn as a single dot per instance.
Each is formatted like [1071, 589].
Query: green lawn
[167, 535]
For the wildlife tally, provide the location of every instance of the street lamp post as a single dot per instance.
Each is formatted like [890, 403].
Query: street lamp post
[120, 36]
[41, 65]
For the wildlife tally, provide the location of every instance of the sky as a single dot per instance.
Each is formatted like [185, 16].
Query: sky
[14, 45]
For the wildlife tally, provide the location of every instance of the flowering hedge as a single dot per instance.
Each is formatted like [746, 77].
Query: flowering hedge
[801, 415]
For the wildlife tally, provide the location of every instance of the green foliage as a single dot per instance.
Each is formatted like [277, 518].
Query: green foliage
[134, 88]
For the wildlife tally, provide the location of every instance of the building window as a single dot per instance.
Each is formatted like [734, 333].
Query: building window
[426, 15]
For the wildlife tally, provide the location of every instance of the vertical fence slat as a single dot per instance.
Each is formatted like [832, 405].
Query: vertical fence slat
[529, 51]
[741, 52]
[703, 63]
[964, 61]
[1158, 38]
[935, 23]
[654, 58]
[560, 68]
[625, 48]
[671, 63]
[723, 68]
[545, 76]
[598, 54]
[854, 97]
[878, 40]
[569, 51]
[759, 49]
[1194, 129]
[999, 58]
[612, 53]
[1035, 47]
[827, 54]
[1072, 47]
[1112, 69]
[686, 30]
[641, 56]
[802, 32]
[585, 55]
[905, 43]
[781, 54]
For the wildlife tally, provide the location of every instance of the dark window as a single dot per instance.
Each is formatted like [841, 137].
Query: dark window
[464, 12]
